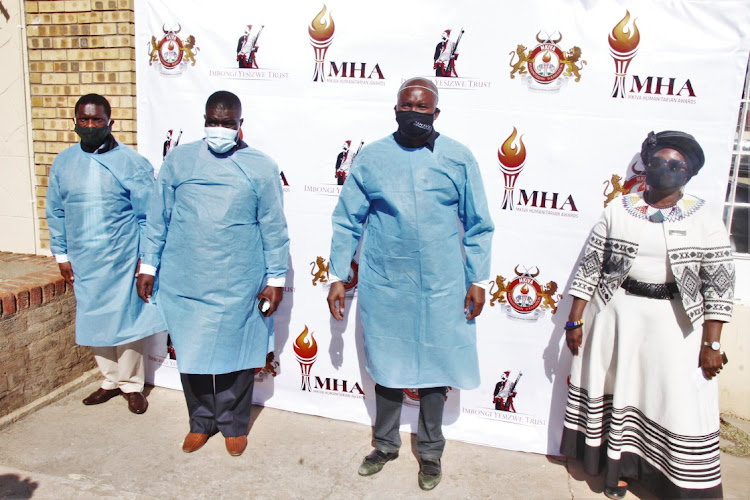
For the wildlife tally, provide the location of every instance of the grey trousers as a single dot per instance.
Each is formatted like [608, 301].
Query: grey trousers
[219, 403]
[430, 440]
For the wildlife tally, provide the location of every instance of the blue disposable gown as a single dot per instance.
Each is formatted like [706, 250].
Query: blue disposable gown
[217, 226]
[96, 213]
[412, 275]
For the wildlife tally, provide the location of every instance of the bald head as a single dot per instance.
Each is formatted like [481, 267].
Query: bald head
[224, 99]
[416, 109]
[418, 83]
[223, 109]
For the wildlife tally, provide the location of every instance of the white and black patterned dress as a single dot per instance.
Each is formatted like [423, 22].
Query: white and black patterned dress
[637, 402]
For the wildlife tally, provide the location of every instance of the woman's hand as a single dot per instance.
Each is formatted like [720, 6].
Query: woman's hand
[574, 338]
[709, 360]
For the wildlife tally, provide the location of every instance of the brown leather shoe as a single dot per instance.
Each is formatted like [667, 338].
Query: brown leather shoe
[137, 402]
[101, 396]
[236, 445]
[194, 441]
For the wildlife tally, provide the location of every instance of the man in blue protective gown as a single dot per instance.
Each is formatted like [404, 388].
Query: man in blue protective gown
[418, 296]
[96, 212]
[217, 234]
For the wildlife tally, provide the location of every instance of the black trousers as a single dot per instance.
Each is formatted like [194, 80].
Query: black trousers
[219, 403]
[430, 440]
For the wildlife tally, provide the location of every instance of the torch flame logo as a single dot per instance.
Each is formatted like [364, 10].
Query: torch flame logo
[305, 345]
[547, 57]
[321, 36]
[512, 157]
[623, 45]
[322, 27]
[306, 350]
[623, 39]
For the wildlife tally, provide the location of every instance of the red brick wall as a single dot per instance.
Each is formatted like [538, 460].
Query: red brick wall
[38, 353]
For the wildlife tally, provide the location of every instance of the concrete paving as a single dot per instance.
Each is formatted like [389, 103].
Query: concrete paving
[68, 450]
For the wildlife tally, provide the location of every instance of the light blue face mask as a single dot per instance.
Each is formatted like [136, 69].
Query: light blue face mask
[221, 139]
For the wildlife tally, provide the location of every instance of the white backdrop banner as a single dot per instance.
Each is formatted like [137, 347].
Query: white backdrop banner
[554, 100]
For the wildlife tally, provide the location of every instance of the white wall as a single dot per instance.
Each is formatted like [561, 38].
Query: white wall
[734, 380]
[17, 219]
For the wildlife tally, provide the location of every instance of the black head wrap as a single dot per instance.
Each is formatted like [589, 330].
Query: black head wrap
[673, 139]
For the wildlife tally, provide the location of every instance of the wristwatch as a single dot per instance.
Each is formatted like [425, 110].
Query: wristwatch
[715, 345]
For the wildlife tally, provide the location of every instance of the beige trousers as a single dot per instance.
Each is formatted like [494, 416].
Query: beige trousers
[122, 366]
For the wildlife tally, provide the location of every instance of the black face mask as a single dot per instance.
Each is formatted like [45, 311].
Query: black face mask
[414, 124]
[93, 137]
[666, 175]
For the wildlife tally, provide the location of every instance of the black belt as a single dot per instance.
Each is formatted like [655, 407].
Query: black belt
[650, 290]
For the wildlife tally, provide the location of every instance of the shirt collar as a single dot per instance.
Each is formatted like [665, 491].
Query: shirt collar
[686, 206]
[108, 145]
[680, 208]
[403, 141]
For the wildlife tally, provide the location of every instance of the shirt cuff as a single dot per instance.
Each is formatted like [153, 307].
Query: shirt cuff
[146, 269]
[276, 282]
[62, 258]
[333, 279]
[484, 285]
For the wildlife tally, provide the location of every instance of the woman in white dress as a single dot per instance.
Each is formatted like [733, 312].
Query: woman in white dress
[651, 294]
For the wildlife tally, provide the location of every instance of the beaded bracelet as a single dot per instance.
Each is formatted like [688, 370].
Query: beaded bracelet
[572, 325]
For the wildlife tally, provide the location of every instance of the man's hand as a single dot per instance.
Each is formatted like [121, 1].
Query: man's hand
[274, 295]
[475, 295]
[145, 286]
[710, 362]
[337, 293]
[66, 270]
[138, 268]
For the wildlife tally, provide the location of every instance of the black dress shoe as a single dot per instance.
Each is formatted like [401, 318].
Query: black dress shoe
[374, 462]
[615, 492]
[101, 396]
[430, 473]
[137, 402]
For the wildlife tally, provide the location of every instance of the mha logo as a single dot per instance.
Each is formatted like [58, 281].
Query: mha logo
[512, 158]
[306, 352]
[321, 31]
[623, 47]
[171, 52]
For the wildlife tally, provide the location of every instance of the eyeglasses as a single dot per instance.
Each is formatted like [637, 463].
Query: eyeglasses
[673, 164]
[98, 122]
